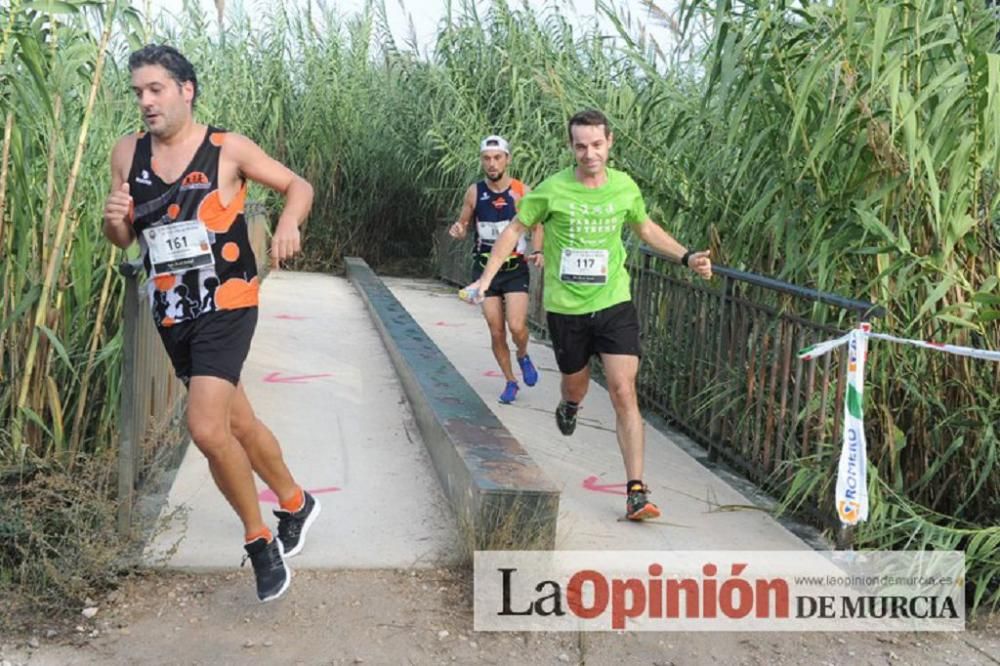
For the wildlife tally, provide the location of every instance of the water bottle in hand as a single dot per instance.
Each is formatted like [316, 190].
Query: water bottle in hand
[468, 295]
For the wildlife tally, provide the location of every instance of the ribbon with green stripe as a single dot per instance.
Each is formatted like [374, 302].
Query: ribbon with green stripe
[852, 477]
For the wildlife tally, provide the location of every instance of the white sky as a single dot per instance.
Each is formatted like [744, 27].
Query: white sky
[426, 14]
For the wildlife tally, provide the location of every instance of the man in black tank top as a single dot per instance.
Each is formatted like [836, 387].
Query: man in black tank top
[179, 189]
[488, 207]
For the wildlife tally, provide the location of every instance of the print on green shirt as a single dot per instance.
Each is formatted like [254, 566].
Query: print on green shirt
[584, 255]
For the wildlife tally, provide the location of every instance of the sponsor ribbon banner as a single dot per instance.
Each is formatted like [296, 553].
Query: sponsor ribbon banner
[852, 475]
[800, 590]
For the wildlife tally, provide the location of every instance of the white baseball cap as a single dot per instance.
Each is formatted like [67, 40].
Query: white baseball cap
[494, 142]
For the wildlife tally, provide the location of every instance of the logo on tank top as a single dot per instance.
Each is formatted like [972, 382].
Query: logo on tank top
[195, 180]
[143, 178]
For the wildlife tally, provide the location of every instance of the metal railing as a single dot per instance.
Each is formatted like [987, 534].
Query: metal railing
[152, 399]
[720, 364]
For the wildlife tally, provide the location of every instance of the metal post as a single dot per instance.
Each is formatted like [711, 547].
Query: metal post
[715, 431]
[128, 440]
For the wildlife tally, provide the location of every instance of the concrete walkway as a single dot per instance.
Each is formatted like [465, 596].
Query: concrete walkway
[588, 466]
[319, 377]
[340, 412]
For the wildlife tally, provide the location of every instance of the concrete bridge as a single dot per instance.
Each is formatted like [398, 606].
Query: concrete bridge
[403, 481]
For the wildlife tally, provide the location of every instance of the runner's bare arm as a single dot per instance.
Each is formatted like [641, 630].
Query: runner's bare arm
[459, 229]
[537, 232]
[537, 245]
[537, 238]
[118, 205]
[654, 236]
[256, 165]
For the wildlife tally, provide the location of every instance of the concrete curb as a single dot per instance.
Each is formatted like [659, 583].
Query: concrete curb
[501, 498]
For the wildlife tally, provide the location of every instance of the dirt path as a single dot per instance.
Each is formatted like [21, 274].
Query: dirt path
[413, 617]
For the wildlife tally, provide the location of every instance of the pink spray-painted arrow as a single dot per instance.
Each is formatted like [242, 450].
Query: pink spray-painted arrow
[590, 483]
[444, 323]
[268, 495]
[492, 373]
[277, 378]
[291, 317]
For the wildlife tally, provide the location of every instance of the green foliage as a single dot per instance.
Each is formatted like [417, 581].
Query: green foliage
[849, 146]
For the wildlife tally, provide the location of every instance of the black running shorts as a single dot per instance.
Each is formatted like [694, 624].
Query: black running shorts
[575, 338]
[215, 344]
[508, 281]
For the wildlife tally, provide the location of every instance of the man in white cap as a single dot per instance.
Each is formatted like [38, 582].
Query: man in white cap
[492, 203]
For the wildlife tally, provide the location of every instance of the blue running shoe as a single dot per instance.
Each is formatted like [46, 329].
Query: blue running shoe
[528, 370]
[509, 393]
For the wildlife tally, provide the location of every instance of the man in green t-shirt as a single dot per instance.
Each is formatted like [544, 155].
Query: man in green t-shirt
[587, 296]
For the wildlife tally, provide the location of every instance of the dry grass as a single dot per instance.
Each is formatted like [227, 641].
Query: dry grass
[58, 545]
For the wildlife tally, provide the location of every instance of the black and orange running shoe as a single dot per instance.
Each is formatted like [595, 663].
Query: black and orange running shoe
[566, 417]
[638, 506]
